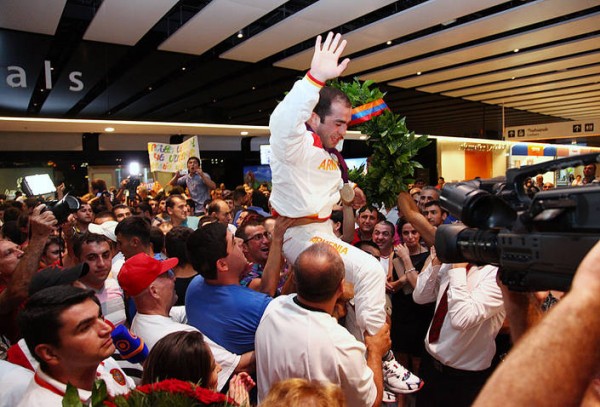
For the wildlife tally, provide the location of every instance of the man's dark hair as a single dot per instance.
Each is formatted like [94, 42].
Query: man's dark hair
[119, 206]
[215, 206]
[175, 243]
[435, 203]
[135, 226]
[157, 238]
[104, 215]
[388, 224]
[177, 190]
[362, 243]
[369, 208]
[191, 203]
[39, 321]
[238, 193]
[12, 213]
[144, 207]
[99, 185]
[313, 281]
[205, 246]
[88, 238]
[194, 158]
[170, 202]
[337, 216]
[327, 95]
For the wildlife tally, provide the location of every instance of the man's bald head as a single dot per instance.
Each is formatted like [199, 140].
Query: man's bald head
[318, 271]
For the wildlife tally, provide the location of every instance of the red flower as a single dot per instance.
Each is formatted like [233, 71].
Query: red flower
[209, 396]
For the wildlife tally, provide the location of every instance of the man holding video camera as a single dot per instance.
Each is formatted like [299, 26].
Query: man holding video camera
[460, 341]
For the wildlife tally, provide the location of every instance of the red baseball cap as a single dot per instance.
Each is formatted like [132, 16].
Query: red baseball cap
[139, 271]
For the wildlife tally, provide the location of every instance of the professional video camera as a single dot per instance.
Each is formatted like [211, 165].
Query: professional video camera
[537, 242]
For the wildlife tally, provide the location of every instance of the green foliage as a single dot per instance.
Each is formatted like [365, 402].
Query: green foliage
[391, 166]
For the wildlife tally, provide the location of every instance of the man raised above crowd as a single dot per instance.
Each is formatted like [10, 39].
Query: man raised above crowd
[197, 182]
[305, 128]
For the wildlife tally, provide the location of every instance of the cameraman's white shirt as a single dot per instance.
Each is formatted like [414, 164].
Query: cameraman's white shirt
[475, 314]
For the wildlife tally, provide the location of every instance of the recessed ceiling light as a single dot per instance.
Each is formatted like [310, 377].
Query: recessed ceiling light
[516, 50]
[449, 22]
[419, 73]
[389, 42]
[240, 34]
[183, 68]
[109, 129]
[244, 133]
[512, 79]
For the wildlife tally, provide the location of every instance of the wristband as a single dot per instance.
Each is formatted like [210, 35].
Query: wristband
[410, 270]
[314, 80]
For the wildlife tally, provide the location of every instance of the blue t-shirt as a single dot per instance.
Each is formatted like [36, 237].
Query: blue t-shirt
[227, 314]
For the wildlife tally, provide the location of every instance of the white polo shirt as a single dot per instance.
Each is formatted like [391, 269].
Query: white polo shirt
[294, 341]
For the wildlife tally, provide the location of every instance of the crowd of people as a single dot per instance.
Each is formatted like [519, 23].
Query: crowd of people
[281, 297]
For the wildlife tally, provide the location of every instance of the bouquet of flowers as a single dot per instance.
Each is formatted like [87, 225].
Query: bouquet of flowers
[170, 392]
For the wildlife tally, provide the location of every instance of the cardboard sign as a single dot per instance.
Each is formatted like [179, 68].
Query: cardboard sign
[172, 157]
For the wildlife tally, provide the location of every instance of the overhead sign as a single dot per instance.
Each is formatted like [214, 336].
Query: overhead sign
[571, 129]
[172, 157]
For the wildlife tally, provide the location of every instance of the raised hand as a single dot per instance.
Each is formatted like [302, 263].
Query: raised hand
[325, 60]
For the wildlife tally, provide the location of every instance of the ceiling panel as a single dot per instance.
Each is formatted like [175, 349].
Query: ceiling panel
[515, 59]
[419, 17]
[511, 19]
[569, 102]
[564, 84]
[303, 25]
[120, 22]
[530, 80]
[563, 98]
[543, 67]
[571, 91]
[209, 27]
[36, 16]
[493, 48]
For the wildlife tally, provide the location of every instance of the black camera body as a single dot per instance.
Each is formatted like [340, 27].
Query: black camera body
[537, 242]
[63, 208]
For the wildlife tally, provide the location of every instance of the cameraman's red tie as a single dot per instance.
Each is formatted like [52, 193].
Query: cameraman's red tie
[438, 317]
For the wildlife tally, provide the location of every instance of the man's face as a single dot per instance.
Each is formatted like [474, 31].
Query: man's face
[51, 254]
[229, 203]
[162, 206]
[193, 166]
[122, 213]
[236, 260]
[10, 255]
[224, 214]
[434, 215]
[85, 339]
[428, 195]
[366, 221]
[539, 180]
[589, 170]
[127, 245]
[84, 214]
[257, 244]
[98, 257]
[383, 236]
[154, 205]
[332, 128]
[178, 211]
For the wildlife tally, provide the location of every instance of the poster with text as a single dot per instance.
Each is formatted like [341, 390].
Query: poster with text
[172, 157]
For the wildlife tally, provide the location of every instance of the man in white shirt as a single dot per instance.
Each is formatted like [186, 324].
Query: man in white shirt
[460, 341]
[65, 332]
[151, 283]
[298, 337]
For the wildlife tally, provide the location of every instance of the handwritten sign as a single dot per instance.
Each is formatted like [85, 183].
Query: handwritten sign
[172, 157]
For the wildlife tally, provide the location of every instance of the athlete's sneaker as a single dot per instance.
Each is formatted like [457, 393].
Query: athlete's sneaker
[388, 396]
[398, 379]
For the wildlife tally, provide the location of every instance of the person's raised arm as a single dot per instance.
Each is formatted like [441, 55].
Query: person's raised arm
[41, 225]
[556, 360]
[408, 208]
[210, 184]
[348, 223]
[271, 273]
[325, 63]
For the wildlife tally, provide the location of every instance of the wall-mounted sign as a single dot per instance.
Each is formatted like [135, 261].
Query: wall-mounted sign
[569, 129]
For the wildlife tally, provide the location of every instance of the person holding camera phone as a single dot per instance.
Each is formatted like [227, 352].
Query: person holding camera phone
[197, 182]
